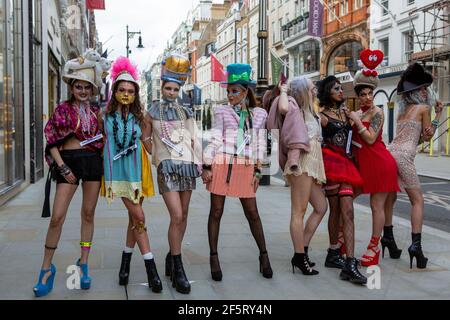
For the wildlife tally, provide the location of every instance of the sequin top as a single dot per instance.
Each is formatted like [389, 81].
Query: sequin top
[403, 149]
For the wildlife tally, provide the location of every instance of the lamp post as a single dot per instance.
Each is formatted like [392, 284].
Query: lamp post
[262, 83]
[130, 35]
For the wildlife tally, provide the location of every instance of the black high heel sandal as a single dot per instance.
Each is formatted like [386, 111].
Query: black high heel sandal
[299, 260]
[216, 275]
[267, 271]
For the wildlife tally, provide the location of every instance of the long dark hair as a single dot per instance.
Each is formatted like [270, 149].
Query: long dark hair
[135, 107]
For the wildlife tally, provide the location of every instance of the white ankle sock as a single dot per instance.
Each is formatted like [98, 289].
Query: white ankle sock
[128, 250]
[335, 246]
[148, 256]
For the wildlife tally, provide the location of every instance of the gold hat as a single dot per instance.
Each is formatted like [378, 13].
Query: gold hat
[176, 68]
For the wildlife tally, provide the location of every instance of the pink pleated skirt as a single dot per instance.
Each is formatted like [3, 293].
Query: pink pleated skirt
[241, 178]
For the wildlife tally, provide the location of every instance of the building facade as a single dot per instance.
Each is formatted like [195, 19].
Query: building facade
[36, 39]
[406, 31]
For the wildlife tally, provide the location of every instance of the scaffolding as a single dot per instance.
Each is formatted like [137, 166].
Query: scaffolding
[434, 45]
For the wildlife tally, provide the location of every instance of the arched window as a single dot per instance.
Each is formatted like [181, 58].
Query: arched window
[345, 58]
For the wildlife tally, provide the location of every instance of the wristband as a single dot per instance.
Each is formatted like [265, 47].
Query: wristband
[435, 123]
[206, 167]
[64, 170]
[258, 175]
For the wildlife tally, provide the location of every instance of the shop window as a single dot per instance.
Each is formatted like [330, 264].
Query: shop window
[306, 57]
[345, 58]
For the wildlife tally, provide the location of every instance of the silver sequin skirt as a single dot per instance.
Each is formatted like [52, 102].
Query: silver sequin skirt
[172, 182]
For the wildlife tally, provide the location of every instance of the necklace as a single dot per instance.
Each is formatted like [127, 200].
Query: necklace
[165, 128]
[121, 145]
[365, 111]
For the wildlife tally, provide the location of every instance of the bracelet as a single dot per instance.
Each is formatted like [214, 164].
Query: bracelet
[435, 123]
[64, 170]
[148, 138]
[362, 130]
[257, 175]
[206, 167]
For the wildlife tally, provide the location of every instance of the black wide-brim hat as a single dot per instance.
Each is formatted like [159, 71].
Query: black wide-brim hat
[414, 77]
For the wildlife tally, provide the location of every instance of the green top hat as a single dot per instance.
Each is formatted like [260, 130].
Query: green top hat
[239, 73]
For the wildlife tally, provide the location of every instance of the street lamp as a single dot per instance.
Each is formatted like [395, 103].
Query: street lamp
[130, 35]
[262, 83]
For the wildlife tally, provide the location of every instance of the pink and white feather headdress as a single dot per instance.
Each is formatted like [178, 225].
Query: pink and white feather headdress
[124, 69]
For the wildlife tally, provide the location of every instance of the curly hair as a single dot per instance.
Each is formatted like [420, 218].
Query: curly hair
[135, 108]
[324, 91]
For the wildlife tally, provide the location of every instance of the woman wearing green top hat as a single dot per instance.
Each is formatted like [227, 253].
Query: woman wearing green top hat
[232, 162]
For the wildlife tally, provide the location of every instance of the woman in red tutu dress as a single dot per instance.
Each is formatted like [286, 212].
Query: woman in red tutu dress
[342, 177]
[375, 163]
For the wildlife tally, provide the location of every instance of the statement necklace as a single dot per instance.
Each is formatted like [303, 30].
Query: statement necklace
[165, 128]
[121, 145]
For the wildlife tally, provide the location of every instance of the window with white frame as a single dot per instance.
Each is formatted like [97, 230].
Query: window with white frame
[383, 45]
[358, 4]
[408, 45]
[343, 7]
[331, 11]
[410, 2]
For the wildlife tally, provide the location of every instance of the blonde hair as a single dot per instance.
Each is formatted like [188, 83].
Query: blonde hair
[299, 89]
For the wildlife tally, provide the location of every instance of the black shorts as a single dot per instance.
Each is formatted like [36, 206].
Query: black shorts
[85, 164]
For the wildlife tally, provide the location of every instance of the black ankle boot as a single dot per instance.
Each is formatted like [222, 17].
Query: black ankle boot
[311, 264]
[299, 260]
[389, 242]
[152, 274]
[124, 272]
[334, 259]
[351, 272]
[266, 271]
[168, 265]
[415, 250]
[178, 277]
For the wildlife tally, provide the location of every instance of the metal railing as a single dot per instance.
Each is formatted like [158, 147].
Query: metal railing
[446, 132]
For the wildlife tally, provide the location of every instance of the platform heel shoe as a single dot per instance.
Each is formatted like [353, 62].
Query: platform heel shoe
[415, 250]
[124, 271]
[40, 289]
[299, 260]
[154, 282]
[178, 276]
[388, 241]
[85, 280]
[351, 272]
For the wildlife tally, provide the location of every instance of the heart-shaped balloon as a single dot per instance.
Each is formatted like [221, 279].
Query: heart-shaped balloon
[371, 58]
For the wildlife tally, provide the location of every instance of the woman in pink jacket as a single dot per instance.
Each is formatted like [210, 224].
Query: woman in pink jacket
[301, 162]
[231, 162]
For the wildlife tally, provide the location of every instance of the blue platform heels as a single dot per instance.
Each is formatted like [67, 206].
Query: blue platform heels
[85, 280]
[40, 289]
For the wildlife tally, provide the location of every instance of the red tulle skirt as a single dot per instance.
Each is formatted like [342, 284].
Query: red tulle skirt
[339, 169]
[376, 165]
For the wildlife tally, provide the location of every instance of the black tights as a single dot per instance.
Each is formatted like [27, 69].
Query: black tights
[251, 213]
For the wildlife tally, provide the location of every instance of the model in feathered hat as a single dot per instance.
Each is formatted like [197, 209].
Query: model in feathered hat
[413, 122]
[372, 158]
[177, 157]
[127, 170]
[73, 152]
[232, 162]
